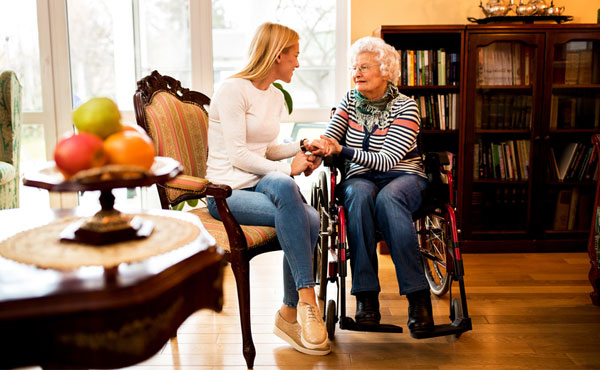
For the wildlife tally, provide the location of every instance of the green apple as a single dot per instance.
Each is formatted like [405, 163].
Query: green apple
[98, 116]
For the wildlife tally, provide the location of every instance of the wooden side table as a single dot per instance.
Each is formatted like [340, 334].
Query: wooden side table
[92, 317]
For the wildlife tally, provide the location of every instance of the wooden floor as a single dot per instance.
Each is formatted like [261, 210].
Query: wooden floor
[529, 311]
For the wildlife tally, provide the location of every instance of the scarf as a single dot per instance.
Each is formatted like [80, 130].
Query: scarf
[371, 113]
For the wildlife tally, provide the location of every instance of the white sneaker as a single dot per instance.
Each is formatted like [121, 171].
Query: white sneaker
[291, 333]
[313, 333]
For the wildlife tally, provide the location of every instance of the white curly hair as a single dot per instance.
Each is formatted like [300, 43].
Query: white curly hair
[385, 55]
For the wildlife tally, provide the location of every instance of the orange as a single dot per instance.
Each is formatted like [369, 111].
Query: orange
[129, 147]
[136, 128]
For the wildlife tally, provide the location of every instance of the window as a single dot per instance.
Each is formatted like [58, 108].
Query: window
[111, 44]
[234, 22]
[19, 48]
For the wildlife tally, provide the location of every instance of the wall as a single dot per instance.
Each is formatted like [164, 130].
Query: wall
[367, 15]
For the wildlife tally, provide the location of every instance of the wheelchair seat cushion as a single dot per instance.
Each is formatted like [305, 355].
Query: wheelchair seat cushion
[255, 235]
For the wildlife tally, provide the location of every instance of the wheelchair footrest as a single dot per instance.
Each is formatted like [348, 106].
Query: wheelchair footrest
[459, 326]
[348, 323]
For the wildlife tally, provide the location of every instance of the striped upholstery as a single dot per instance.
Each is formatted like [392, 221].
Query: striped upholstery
[179, 131]
[188, 184]
[255, 235]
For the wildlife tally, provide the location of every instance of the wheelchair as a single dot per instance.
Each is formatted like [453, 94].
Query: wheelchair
[435, 224]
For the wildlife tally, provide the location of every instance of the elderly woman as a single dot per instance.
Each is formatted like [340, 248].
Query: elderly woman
[378, 127]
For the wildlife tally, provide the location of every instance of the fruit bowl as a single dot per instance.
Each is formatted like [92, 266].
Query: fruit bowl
[108, 225]
[103, 178]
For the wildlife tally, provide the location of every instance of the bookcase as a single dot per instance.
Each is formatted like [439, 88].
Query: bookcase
[528, 103]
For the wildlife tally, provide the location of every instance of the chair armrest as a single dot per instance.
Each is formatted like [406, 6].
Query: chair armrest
[7, 172]
[198, 187]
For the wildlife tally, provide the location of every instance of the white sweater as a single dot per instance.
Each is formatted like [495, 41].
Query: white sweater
[243, 127]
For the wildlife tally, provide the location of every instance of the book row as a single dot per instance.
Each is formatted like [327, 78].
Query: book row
[438, 111]
[501, 207]
[505, 160]
[574, 112]
[504, 63]
[574, 162]
[578, 62]
[573, 210]
[428, 67]
[503, 111]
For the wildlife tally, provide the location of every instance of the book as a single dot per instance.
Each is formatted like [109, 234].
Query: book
[572, 67]
[564, 161]
[561, 212]
[584, 211]
[553, 165]
[573, 208]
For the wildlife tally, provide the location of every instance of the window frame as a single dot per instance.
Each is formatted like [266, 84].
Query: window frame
[56, 72]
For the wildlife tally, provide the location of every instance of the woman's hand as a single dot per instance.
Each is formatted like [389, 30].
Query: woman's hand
[315, 146]
[315, 161]
[300, 163]
[332, 146]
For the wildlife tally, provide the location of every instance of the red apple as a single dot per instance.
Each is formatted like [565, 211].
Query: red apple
[79, 152]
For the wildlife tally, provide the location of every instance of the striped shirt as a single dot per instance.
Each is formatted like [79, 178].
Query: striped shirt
[391, 146]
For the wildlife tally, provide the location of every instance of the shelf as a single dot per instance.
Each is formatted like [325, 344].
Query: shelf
[511, 88]
[438, 132]
[566, 231]
[590, 131]
[502, 131]
[575, 86]
[430, 87]
[588, 183]
[500, 182]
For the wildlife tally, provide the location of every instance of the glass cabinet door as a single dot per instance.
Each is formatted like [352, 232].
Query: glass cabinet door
[501, 117]
[571, 117]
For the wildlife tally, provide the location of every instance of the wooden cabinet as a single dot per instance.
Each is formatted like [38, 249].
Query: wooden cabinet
[529, 103]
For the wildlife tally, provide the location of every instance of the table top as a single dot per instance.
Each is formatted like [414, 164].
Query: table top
[27, 291]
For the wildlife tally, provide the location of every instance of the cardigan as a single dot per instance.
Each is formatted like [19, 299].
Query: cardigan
[391, 146]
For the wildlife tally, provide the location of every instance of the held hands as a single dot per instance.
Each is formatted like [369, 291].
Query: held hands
[316, 146]
[331, 146]
[305, 163]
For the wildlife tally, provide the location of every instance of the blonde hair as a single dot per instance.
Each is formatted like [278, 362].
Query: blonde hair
[270, 40]
[385, 54]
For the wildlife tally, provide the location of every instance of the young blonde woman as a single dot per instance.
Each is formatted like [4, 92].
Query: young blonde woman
[245, 114]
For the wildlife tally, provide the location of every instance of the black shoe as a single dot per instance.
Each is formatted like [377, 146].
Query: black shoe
[367, 308]
[420, 313]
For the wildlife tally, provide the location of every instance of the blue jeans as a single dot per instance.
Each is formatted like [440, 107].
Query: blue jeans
[276, 201]
[387, 202]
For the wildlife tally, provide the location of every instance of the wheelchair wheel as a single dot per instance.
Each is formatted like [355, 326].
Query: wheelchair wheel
[434, 240]
[319, 202]
[330, 319]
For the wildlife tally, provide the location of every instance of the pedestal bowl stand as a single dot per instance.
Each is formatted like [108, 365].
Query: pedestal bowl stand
[108, 225]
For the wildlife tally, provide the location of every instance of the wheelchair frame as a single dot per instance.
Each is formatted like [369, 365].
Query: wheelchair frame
[438, 242]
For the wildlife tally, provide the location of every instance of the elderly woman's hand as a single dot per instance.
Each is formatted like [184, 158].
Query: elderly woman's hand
[333, 147]
[315, 146]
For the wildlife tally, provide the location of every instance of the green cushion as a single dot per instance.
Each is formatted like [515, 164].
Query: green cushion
[7, 172]
[10, 138]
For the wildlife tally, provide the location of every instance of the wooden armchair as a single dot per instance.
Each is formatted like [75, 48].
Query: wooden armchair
[177, 121]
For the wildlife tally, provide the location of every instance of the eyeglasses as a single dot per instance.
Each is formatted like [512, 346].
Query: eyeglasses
[363, 68]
